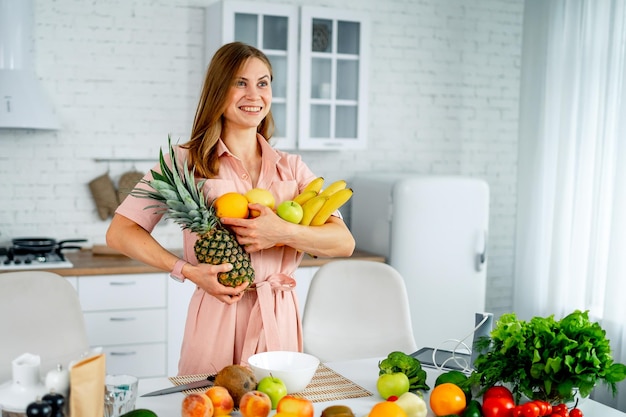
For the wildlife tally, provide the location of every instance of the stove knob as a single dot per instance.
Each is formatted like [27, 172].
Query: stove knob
[17, 261]
[28, 261]
[7, 261]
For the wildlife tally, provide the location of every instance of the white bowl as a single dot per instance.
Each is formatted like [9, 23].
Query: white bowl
[295, 369]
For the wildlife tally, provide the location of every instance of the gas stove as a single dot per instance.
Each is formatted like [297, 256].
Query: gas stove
[12, 261]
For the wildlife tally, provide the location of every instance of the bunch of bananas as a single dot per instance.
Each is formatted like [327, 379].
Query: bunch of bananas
[318, 204]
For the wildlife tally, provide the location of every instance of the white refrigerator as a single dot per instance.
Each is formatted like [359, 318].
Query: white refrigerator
[434, 231]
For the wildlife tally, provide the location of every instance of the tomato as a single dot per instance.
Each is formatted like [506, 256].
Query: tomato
[545, 409]
[498, 407]
[498, 391]
[575, 412]
[517, 411]
[530, 409]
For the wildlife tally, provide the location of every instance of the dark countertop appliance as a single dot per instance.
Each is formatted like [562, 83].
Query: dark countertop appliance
[36, 253]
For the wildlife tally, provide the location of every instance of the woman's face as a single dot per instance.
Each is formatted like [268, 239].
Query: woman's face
[250, 96]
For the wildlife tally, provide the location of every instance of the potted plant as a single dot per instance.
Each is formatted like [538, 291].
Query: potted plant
[547, 359]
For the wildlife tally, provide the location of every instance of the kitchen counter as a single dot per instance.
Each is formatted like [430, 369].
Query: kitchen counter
[86, 262]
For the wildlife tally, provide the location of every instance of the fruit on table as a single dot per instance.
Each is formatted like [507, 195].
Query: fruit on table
[238, 380]
[394, 384]
[295, 406]
[274, 387]
[260, 196]
[223, 403]
[337, 411]
[231, 205]
[290, 211]
[182, 200]
[387, 409]
[497, 407]
[39, 408]
[412, 404]
[56, 401]
[255, 404]
[197, 404]
[401, 362]
[457, 378]
[140, 412]
[447, 398]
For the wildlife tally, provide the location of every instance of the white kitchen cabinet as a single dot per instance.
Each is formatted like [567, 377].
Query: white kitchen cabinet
[273, 28]
[126, 315]
[334, 47]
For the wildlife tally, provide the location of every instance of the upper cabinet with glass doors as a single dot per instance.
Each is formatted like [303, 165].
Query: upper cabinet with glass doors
[272, 28]
[333, 79]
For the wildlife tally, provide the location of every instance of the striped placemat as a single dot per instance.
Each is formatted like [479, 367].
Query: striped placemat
[326, 385]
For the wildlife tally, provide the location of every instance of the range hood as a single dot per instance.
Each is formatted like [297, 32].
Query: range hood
[23, 102]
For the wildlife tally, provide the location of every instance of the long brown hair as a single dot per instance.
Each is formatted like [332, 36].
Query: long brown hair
[208, 121]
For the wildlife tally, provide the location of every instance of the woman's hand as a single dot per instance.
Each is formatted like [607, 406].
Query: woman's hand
[205, 277]
[261, 232]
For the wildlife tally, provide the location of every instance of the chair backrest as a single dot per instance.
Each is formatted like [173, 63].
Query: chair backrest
[357, 309]
[40, 313]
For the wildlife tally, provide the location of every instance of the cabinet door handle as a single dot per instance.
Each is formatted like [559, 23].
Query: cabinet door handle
[122, 283]
[122, 319]
[131, 353]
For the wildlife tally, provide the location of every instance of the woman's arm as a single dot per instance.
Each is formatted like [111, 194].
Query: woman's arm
[332, 239]
[132, 240]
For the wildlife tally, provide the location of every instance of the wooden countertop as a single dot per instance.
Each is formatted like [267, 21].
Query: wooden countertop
[87, 263]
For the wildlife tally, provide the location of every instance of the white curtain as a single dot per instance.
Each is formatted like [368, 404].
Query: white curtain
[571, 235]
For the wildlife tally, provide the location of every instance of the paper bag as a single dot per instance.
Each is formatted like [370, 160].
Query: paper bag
[87, 387]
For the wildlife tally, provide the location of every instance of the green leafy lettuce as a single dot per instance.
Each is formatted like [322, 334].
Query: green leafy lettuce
[547, 359]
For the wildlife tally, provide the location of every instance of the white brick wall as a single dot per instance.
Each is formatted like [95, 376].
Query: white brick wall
[122, 74]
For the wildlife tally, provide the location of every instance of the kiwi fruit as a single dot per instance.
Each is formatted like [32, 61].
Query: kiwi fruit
[237, 379]
[337, 411]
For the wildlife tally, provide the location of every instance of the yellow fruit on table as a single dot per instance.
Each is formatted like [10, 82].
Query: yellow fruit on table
[231, 205]
[387, 409]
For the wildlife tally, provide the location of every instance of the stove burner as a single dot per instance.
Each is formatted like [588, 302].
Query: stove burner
[10, 260]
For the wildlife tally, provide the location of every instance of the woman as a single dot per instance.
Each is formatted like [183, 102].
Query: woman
[229, 147]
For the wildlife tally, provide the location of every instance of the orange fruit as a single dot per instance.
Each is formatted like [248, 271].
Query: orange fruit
[231, 205]
[387, 409]
[447, 398]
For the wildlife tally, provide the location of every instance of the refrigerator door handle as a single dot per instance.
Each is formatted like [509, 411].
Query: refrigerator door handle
[481, 247]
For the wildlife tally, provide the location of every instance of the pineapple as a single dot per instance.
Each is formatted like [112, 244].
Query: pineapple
[182, 200]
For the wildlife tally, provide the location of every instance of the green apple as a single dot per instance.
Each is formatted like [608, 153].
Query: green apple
[394, 384]
[274, 387]
[290, 210]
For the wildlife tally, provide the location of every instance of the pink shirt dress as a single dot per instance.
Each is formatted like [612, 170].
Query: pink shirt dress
[266, 319]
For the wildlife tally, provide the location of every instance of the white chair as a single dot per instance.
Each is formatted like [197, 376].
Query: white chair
[40, 313]
[357, 309]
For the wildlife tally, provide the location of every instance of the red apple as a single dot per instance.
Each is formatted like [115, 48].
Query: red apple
[255, 404]
[223, 403]
[297, 406]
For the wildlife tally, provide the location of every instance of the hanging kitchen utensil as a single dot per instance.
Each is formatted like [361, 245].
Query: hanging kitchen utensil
[127, 182]
[105, 195]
